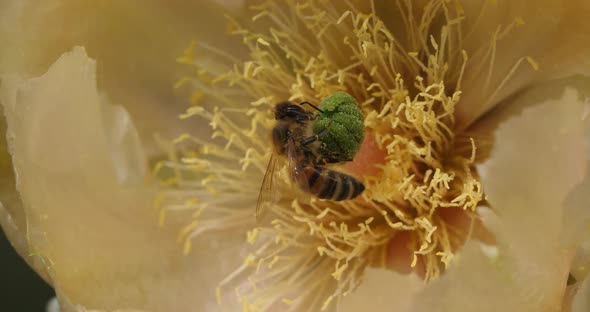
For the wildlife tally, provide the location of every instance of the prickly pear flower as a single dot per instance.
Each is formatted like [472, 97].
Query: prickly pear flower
[475, 158]
[427, 78]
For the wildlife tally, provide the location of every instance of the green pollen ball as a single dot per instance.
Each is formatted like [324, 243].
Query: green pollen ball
[346, 130]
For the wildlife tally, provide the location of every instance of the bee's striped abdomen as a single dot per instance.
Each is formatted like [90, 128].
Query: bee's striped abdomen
[333, 185]
[330, 184]
[349, 188]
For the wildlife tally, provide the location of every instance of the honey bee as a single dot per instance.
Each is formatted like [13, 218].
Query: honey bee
[292, 138]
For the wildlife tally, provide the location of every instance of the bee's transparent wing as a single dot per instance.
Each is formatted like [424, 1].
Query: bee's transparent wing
[266, 195]
[296, 157]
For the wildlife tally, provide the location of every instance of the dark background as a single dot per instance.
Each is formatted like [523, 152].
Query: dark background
[21, 289]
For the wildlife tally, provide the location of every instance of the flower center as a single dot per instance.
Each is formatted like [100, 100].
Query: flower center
[405, 75]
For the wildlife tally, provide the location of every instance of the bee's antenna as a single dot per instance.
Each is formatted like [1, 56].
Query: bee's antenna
[319, 110]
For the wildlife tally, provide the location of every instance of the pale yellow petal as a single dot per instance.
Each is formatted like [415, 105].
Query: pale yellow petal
[383, 290]
[89, 221]
[135, 42]
[515, 44]
[581, 302]
[539, 158]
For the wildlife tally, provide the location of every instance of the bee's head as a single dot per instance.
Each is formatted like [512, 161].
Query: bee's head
[288, 111]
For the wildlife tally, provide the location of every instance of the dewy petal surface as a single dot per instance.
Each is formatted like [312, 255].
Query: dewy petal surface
[89, 219]
[502, 35]
[538, 160]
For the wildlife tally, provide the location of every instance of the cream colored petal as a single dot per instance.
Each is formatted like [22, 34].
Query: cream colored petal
[383, 290]
[232, 4]
[581, 302]
[552, 33]
[577, 222]
[539, 158]
[12, 218]
[135, 42]
[89, 221]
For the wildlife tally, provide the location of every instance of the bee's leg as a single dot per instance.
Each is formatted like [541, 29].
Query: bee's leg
[318, 136]
[334, 158]
[315, 107]
[319, 162]
[313, 138]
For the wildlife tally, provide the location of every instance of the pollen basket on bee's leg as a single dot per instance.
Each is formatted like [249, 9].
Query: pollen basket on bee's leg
[344, 120]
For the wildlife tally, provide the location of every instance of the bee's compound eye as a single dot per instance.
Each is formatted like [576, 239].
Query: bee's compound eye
[289, 111]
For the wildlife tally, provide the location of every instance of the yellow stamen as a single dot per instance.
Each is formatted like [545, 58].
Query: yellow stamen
[408, 83]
